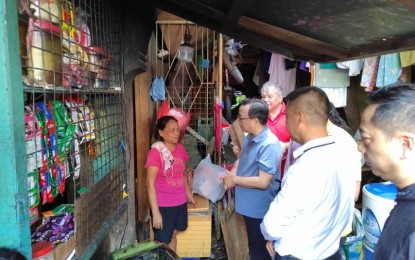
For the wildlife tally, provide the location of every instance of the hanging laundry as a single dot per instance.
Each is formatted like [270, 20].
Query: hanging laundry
[157, 91]
[304, 65]
[266, 59]
[369, 73]
[389, 70]
[332, 81]
[257, 73]
[337, 96]
[407, 58]
[330, 78]
[354, 66]
[218, 124]
[328, 66]
[278, 73]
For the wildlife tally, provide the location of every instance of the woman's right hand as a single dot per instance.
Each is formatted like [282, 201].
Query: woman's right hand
[235, 149]
[157, 221]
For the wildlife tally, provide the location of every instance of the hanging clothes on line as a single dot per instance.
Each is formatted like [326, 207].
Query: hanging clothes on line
[282, 72]
[389, 70]
[370, 72]
[354, 66]
[407, 58]
[157, 91]
[333, 81]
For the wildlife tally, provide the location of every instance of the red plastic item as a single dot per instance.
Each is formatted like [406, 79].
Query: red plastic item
[47, 26]
[182, 117]
[41, 249]
[94, 50]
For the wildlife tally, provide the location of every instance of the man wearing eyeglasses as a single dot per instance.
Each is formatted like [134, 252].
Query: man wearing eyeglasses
[255, 180]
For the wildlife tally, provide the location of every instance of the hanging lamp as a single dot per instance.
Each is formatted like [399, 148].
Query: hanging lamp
[185, 49]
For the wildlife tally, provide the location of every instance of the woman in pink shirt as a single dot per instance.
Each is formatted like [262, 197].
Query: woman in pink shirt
[167, 183]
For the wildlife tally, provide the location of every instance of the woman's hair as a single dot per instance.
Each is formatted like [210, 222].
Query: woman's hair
[336, 119]
[161, 124]
[10, 254]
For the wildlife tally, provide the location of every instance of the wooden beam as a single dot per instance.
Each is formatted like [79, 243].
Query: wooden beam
[142, 135]
[410, 4]
[266, 43]
[246, 60]
[237, 9]
[193, 11]
[214, 20]
[292, 38]
[384, 46]
[260, 41]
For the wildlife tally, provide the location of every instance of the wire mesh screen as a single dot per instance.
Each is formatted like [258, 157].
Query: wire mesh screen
[188, 79]
[74, 113]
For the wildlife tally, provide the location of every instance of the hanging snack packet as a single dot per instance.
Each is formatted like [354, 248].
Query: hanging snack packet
[59, 115]
[49, 125]
[45, 186]
[33, 185]
[44, 150]
[65, 129]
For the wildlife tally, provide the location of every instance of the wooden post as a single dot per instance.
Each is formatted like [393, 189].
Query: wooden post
[142, 133]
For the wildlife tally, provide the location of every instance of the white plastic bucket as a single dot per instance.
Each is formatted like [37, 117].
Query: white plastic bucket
[378, 201]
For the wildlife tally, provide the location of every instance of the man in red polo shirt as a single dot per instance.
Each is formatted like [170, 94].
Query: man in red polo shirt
[271, 93]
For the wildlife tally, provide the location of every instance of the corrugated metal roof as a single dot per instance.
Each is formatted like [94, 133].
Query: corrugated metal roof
[322, 30]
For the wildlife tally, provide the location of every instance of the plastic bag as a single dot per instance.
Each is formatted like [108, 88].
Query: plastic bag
[206, 180]
[157, 91]
[353, 247]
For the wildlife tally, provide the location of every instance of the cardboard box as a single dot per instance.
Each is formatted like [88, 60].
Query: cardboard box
[64, 250]
[202, 205]
[196, 241]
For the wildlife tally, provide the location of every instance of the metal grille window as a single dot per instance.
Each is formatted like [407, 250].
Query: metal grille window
[188, 80]
[74, 114]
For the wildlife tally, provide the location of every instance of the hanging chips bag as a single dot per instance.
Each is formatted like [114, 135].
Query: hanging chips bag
[65, 129]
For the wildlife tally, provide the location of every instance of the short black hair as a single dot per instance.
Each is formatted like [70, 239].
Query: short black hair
[312, 101]
[395, 109]
[257, 109]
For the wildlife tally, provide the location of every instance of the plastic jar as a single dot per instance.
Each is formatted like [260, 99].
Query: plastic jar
[42, 251]
[44, 52]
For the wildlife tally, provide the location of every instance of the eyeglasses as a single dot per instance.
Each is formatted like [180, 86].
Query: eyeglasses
[243, 118]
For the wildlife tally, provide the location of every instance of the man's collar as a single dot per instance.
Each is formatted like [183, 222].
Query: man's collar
[321, 141]
[259, 136]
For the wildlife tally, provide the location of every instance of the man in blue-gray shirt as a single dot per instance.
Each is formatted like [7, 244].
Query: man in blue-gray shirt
[255, 180]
